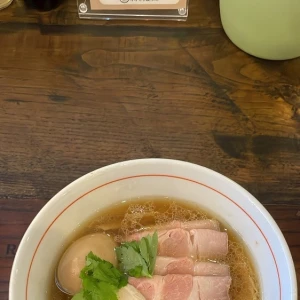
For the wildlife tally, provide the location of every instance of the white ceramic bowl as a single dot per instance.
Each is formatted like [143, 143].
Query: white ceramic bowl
[53, 225]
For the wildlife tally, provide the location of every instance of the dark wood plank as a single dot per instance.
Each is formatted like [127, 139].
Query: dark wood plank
[120, 98]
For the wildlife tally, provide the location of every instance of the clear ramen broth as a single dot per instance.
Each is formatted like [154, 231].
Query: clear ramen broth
[128, 217]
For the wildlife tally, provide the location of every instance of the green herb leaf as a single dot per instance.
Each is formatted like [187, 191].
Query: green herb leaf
[152, 246]
[131, 262]
[137, 259]
[79, 296]
[144, 251]
[100, 280]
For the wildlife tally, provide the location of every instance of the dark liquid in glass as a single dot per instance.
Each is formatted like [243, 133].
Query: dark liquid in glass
[43, 5]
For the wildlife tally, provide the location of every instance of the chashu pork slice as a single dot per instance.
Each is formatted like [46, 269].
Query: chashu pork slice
[212, 287]
[183, 287]
[188, 225]
[196, 243]
[209, 243]
[185, 265]
[150, 288]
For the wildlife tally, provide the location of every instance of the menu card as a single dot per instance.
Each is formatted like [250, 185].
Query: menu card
[133, 9]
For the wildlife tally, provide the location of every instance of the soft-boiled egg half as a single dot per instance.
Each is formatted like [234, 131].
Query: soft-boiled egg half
[73, 260]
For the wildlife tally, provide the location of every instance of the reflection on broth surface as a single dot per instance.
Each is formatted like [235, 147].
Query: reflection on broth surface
[129, 217]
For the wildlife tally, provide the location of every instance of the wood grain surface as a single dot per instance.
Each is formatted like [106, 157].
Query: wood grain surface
[77, 95]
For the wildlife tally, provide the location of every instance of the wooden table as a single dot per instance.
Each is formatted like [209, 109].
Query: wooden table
[76, 96]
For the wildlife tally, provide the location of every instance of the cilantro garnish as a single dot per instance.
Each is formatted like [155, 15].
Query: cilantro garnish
[100, 280]
[137, 258]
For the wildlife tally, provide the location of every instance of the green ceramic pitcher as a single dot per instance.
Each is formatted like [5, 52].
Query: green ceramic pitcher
[268, 29]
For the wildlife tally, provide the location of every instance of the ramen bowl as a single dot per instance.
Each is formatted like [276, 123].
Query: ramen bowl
[51, 229]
